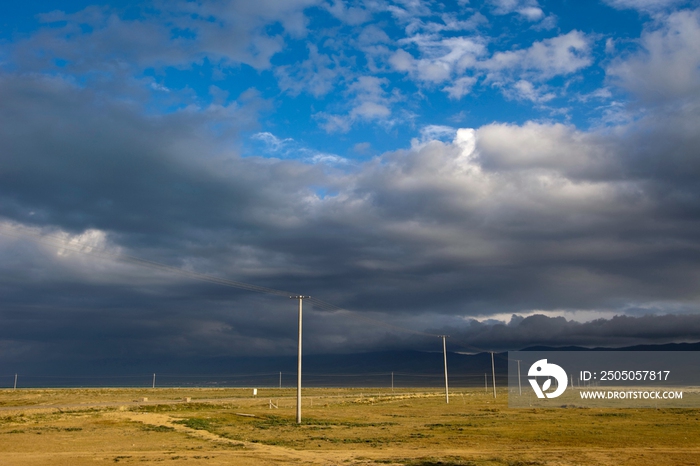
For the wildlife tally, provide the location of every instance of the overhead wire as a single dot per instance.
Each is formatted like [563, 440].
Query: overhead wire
[468, 346]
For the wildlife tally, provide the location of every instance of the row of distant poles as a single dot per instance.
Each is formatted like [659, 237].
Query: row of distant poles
[298, 414]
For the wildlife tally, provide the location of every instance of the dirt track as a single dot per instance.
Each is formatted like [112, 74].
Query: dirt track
[415, 429]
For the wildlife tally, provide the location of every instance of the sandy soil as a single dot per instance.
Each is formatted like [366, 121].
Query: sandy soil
[109, 432]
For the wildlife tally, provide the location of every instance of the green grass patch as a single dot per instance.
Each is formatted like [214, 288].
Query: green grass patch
[196, 423]
[149, 428]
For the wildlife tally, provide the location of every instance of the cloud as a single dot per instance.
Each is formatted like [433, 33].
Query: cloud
[272, 142]
[540, 330]
[643, 5]
[440, 58]
[172, 34]
[128, 43]
[288, 148]
[460, 87]
[450, 22]
[370, 98]
[537, 215]
[372, 34]
[528, 9]
[368, 102]
[437, 133]
[405, 11]
[163, 174]
[238, 33]
[561, 55]
[557, 147]
[524, 89]
[362, 147]
[520, 73]
[503, 218]
[317, 75]
[431, 59]
[351, 15]
[667, 67]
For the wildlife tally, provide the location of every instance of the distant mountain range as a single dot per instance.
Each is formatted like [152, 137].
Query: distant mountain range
[374, 369]
[665, 347]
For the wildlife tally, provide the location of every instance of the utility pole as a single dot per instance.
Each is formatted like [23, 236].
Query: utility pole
[300, 298]
[520, 388]
[493, 371]
[486, 384]
[15, 382]
[444, 357]
[392, 382]
[280, 379]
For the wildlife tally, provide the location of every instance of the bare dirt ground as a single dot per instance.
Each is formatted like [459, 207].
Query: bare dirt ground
[341, 427]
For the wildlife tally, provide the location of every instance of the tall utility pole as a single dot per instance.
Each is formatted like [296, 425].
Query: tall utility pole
[280, 379]
[520, 389]
[300, 298]
[444, 357]
[493, 372]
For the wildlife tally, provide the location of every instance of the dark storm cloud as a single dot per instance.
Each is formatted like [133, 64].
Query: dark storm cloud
[537, 330]
[74, 160]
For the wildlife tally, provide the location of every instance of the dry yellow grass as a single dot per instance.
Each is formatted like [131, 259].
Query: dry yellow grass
[341, 426]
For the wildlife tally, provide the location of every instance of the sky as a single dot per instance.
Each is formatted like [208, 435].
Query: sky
[508, 172]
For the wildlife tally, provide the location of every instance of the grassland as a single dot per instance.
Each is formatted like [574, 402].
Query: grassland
[341, 426]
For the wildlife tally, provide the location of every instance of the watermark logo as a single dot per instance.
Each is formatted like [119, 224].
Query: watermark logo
[542, 368]
[603, 379]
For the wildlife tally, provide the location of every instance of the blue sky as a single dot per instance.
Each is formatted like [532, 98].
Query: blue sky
[453, 167]
[353, 80]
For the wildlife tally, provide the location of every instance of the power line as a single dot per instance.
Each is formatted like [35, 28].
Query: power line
[469, 347]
